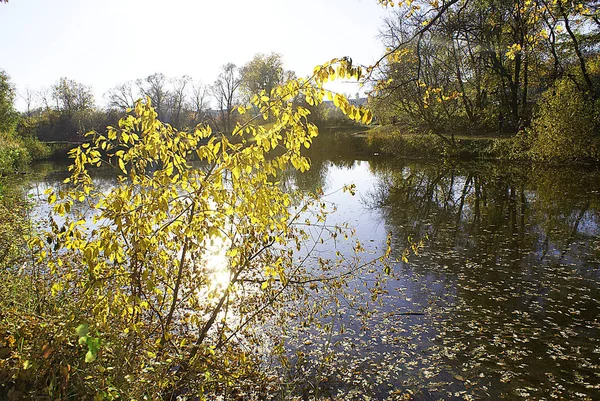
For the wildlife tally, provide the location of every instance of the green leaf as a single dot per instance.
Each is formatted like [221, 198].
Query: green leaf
[83, 329]
[90, 357]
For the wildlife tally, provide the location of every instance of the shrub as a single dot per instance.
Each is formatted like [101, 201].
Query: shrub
[152, 289]
[389, 141]
[565, 125]
[516, 148]
[36, 149]
[13, 154]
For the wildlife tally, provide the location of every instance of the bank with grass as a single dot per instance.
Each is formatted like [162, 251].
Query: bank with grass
[564, 128]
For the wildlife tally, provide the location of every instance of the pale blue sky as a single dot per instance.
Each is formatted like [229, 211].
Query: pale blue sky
[104, 43]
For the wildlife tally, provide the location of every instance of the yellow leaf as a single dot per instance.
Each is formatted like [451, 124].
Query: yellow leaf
[122, 165]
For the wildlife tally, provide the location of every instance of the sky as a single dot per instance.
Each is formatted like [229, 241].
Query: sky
[105, 43]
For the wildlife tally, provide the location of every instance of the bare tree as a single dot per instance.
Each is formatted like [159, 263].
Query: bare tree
[155, 87]
[199, 102]
[178, 99]
[225, 92]
[45, 96]
[122, 96]
[29, 97]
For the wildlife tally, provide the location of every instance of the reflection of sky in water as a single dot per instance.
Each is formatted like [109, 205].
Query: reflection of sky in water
[369, 223]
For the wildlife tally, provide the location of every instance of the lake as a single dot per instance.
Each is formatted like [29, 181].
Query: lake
[501, 301]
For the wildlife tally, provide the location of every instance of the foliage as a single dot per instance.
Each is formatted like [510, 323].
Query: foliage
[36, 149]
[13, 154]
[458, 67]
[13, 224]
[390, 141]
[8, 114]
[515, 148]
[16, 294]
[162, 281]
[263, 73]
[54, 125]
[565, 125]
[71, 96]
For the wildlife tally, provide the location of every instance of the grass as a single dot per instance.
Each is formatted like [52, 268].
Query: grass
[389, 140]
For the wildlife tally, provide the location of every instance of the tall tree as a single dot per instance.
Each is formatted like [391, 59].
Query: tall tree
[71, 96]
[122, 96]
[263, 72]
[8, 114]
[178, 99]
[29, 97]
[482, 60]
[155, 87]
[225, 92]
[45, 96]
[199, 102]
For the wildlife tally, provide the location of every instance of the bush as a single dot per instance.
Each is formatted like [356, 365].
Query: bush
[516, 148]
[36, 149]
[160, 286]
[13, 154]
[387, 140]
[565, 125]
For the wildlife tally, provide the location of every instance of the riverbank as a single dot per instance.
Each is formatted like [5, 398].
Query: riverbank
[16, 153]
[389, 140]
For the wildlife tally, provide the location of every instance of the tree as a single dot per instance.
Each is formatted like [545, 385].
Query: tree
[153, 274]
[199, 102]
[178, 101]
[71, 96]
[155, 88]
[45, 96]
[122, 97]
[29, 97]
[8, 114]
[13, 153]
[565, 125]
[225, 92]
[262, 73]
[484, 63]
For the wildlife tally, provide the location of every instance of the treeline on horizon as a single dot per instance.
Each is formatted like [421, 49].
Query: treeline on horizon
[67, 110]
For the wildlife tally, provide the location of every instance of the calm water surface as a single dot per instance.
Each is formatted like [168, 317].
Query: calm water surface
[501, 302]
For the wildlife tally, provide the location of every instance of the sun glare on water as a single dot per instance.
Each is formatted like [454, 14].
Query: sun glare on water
[217, 263]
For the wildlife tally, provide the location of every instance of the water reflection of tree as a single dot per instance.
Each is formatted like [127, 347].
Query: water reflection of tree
[328, 150]
[489, 212]
[521, 247]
